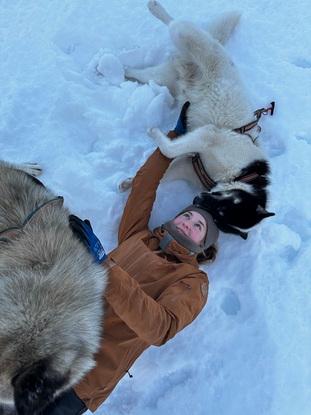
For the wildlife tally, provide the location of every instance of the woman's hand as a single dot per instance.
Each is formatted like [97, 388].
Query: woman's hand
[82, 229]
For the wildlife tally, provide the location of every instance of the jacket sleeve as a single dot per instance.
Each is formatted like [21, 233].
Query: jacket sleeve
[156, 321]
[139, 204]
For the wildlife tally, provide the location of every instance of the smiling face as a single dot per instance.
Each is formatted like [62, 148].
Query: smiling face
[192, 225]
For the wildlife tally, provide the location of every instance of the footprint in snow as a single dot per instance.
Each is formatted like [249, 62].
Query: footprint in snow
[230, 303]
[302, 63]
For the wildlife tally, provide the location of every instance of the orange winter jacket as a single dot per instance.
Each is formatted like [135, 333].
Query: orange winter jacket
[151, 295]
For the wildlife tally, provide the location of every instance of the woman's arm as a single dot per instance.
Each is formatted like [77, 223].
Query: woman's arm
[156, 321]
[139, 204]
[138, 207]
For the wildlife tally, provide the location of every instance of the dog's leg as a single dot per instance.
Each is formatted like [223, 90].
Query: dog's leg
[192, 142]
[163, 74]
[33, 169]
[199, 46]
[222, 27]
[159, 12]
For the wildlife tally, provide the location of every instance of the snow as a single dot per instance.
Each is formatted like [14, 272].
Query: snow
[65, 104]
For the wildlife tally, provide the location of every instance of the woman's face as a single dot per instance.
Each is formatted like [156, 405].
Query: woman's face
[191, 224]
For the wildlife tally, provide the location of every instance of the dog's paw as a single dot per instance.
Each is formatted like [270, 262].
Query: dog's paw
[155, 133]
[162, 142]
[34, 169]
[153, 6]
[125, 184]
[130, 74]
[158, 11]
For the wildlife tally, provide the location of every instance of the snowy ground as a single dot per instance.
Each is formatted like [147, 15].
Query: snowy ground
[249, 352]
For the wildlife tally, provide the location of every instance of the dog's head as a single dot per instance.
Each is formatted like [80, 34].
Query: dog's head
[235, 210]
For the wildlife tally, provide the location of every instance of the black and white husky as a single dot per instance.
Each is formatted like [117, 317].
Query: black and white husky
[50, 295]
[221, 123]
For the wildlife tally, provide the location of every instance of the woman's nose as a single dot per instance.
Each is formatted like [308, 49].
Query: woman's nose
[186, 225]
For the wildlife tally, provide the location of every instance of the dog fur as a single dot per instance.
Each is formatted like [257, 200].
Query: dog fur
[50, 296]
[202, 73]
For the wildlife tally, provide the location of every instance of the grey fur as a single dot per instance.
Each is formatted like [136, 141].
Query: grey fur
[50, 292]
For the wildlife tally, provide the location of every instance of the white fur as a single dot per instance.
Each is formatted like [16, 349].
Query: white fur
[202, 73]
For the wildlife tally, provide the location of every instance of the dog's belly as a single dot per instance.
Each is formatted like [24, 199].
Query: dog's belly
[220, 101]
[225, 159]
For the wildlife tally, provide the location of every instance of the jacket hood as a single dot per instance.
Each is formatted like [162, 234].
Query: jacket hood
[174, 248]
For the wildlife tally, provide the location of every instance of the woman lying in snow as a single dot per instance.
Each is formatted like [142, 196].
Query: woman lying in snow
[155, 289]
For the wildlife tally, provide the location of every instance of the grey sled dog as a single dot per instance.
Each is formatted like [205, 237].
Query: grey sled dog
[50, 295]
[202, 73]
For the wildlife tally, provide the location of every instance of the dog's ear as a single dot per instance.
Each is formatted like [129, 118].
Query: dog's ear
[243, 235]
[35, 387]
[263, 213]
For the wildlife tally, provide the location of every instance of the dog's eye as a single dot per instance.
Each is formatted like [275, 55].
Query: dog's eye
[217, 195]
[220, 211]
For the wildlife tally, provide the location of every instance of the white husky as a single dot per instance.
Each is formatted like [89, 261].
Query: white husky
[221, 123]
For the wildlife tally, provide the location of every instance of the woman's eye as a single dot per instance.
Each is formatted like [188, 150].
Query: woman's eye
[198, 226]
[186, 215]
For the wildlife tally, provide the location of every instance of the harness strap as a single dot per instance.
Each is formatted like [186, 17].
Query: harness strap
[209, 183]
[258, 113]
[13, 232]
[198, 166]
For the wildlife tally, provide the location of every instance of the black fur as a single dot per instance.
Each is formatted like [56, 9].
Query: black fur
[238, 209]
[6, 410]
[261, 181]
[34, 388]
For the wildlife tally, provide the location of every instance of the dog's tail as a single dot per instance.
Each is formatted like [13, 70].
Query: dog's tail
[222, 27]
[35, 387]
[159, 12]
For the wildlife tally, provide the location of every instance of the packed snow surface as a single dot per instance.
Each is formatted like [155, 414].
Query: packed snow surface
[66, 105]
